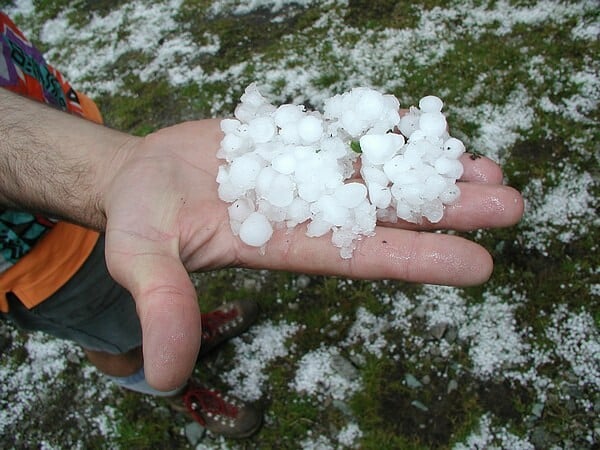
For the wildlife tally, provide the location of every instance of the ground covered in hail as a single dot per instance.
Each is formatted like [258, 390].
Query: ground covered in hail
[340, 364]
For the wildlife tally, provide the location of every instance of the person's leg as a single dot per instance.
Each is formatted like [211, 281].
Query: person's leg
[116, 365]
[98, 314]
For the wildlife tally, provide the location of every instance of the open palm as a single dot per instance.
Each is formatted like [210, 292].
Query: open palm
[164, 219]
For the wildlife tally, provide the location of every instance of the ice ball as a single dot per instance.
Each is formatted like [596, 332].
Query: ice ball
[379, 148]
[409, 123]
[350, 195]
[453, 148]
[256, 230]
[432, 124]
[244, 170]
[431, 104]
[261, 129]
[310, 130]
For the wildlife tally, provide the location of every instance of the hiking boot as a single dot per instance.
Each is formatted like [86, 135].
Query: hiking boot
[225, 322]
[221, 414]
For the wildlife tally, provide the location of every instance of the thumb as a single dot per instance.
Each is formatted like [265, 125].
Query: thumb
[166, 304]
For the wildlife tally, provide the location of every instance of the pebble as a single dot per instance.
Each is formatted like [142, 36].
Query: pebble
[194, 432]
[412, 381]
[438, 330]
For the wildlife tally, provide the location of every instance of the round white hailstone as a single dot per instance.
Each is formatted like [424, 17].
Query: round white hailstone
[452, 168]
[334, 147]
[434, 185]
[261, 129]
[298, 211]
[411, 176]
[351, 123]
[281, 191]
[284, 163]
[229, 125]
[428, 149]
[241, 209]
[309, 192]
[232, 143]
[244, 170]
[371, 105]
[317, 227]
[450, 195]
[409, 123]
[264, 180]
[413, 154]
[228, 192]
[433, 211]
[378, 148]
[306, 168]
[287, 114]
[310, 130]
[453, 148]
[411, 193]
[431, 104]
[350, 195]
[333, 107]
[379, 195]
[244, 113]
[396, 168]
[405, 211]
[269, 150]
[433, 124]
[289, 134]
[374, 175]
[256, 230]
[330, 211]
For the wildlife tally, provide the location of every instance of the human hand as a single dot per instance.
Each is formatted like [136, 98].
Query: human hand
[164, 219]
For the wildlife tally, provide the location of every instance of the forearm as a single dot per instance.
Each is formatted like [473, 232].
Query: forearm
[55, 163]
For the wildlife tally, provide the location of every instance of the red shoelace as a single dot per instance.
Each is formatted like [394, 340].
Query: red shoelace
[212, 321]
[198, 399]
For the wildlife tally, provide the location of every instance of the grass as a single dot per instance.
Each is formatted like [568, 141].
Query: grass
[483, 70]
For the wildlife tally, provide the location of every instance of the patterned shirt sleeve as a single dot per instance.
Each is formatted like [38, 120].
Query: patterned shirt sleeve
[24, 70]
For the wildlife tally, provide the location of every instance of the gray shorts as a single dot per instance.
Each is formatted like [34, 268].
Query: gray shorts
[91, 310]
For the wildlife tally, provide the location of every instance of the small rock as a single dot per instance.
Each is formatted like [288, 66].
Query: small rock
[537, 409]
[412, 382]
[437, 331]
[343, 407]
[452, 386]
[302, 281]
[451, 334]
[250, 284]
[344, 368]
[194, 432]
[420, 311]
[419, 405]
[541, 438]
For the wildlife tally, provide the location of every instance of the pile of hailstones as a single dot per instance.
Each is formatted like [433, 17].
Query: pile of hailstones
[286, 166]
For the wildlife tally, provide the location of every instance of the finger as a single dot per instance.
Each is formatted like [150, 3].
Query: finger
[166, 304]
[391, 254]
[480, 169]
[480, 205]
